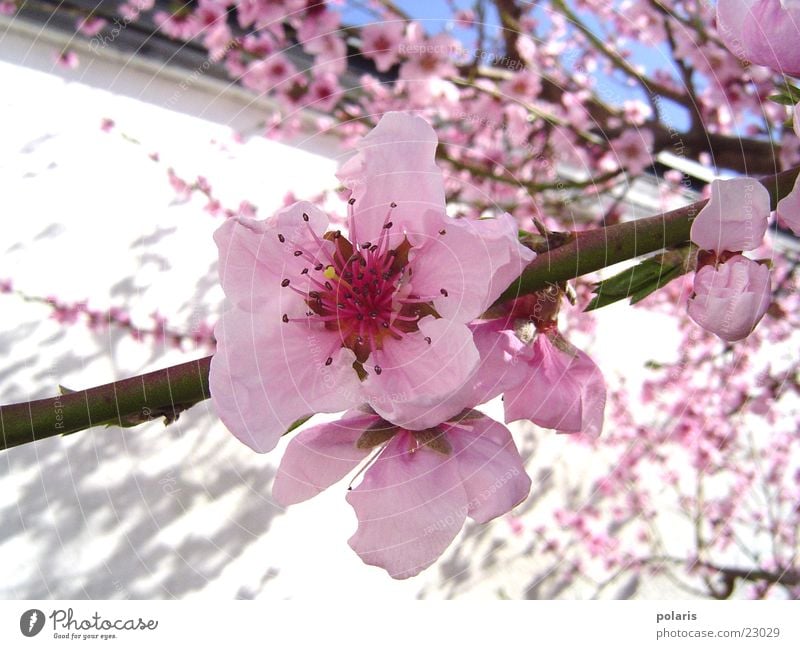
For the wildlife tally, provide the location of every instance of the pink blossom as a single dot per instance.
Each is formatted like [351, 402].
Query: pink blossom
[429, 59]
[524, 85]
[179, 26]
[89, 25]
[319, 33]
[632, 150]
[217, 40]
[67, 60]
[788, 209]
[265, 75]
[380, 42]
[762, 31]
[563, 389]
[7, 8]
[735, 217]
[415, 496]
[323, 92]
[730, 299]
[322, 323]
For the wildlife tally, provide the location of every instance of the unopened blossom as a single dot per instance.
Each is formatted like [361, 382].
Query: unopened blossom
[765, 32]
[324, 321]
[417, 492]
[731, 292]
[788, 209]
[731, 298]
[381, 43]
[735, 217]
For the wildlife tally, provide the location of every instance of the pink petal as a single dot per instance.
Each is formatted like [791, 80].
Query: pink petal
[564, 390]
[762, 31]
[395, 163]
[410, 507]
[252, 259]
[735, 217]
[466, 264]
[320, 456]
[730, 300]
[491, 468]
[789, 208]
[418, 377]
[500, 368]
[266, 374]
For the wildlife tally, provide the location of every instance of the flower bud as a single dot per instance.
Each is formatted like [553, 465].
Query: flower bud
[735, 217]
[729, 300]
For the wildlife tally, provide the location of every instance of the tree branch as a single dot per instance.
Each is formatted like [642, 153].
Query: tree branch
[168, 392]
[163, 393]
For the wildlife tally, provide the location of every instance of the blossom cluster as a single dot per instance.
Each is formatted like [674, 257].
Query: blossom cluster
[397, 321]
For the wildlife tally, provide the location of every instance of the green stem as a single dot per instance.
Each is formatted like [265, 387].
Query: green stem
[168, 392]
[586, 252]
[164, 393]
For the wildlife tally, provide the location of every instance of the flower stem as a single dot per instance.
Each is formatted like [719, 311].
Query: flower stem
[168, 392]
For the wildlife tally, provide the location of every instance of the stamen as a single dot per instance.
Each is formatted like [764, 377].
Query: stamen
[284, 283]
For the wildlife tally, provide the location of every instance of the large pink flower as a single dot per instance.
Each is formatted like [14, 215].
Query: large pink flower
[762, 31]
[323, 321]
[730, 299]
[415, 496]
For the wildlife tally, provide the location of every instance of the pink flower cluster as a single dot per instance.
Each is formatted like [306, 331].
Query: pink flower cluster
[731, 291]
[390, 321]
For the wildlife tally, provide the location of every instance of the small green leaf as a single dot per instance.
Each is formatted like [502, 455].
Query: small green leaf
[641, 280]
[788, 95]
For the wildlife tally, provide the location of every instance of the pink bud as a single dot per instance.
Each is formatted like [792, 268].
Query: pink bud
[731, 299]
[735, 217]
[789, 207]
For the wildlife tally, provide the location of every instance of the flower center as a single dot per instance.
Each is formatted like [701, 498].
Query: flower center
[362, 290]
